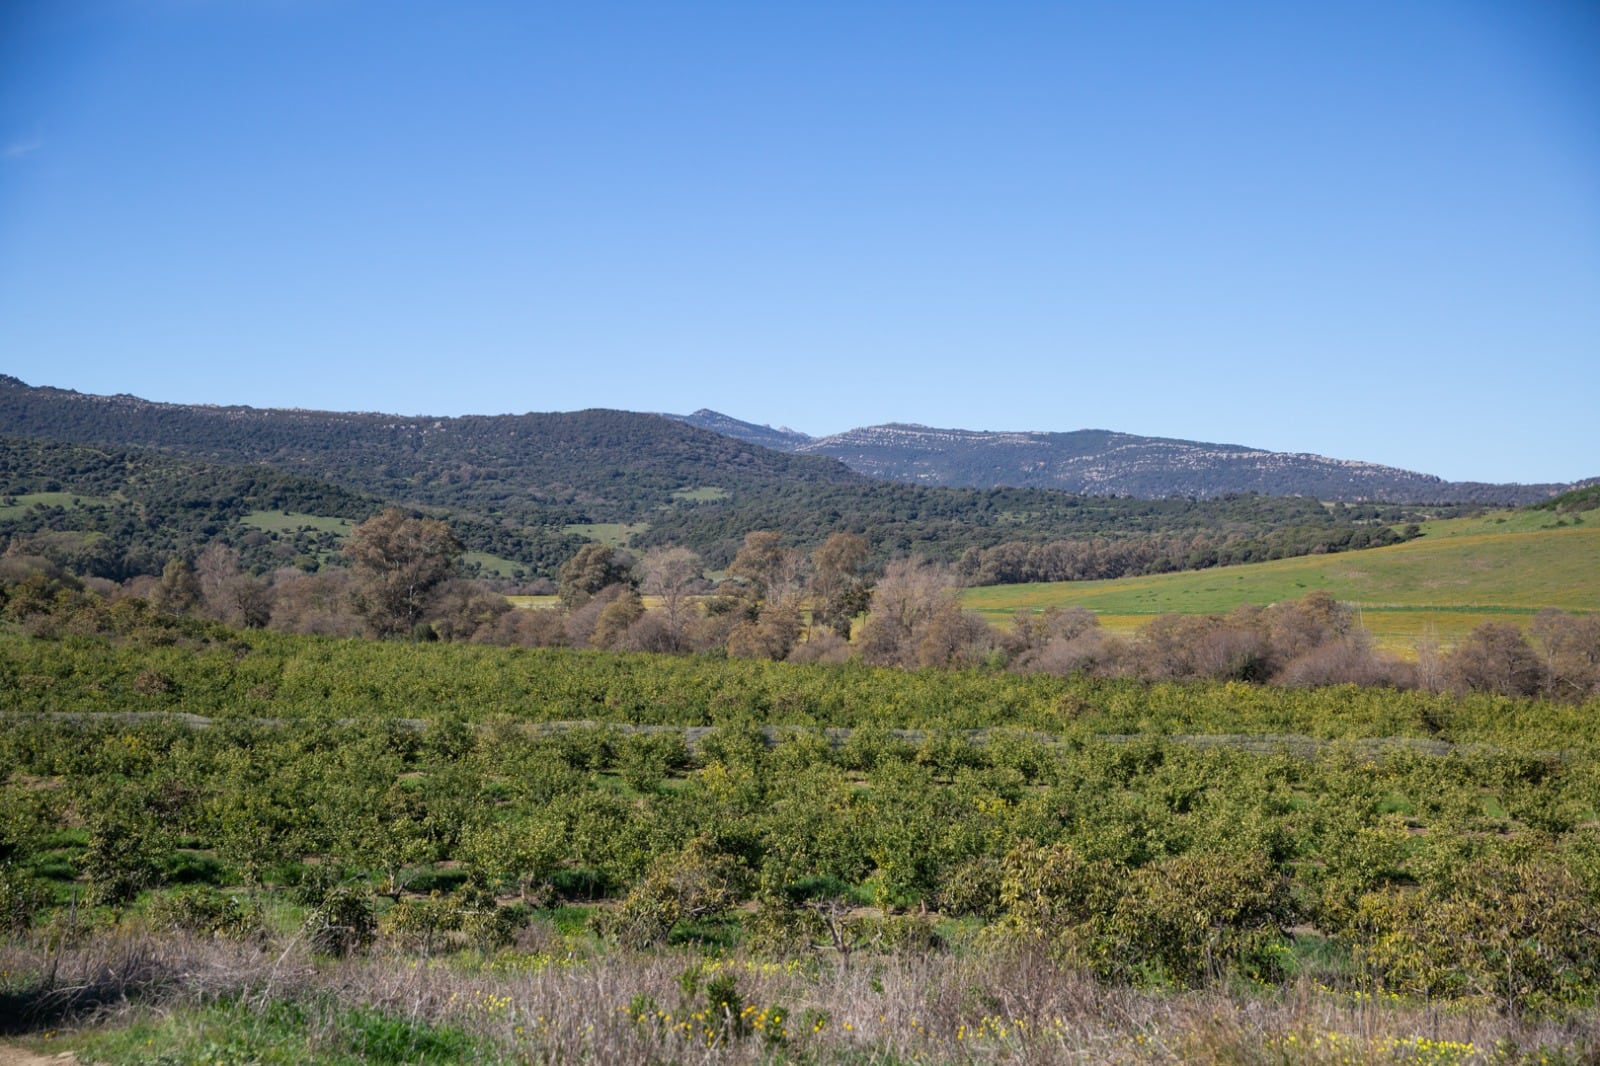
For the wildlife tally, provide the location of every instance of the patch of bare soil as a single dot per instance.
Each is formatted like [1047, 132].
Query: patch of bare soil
[12, 1055]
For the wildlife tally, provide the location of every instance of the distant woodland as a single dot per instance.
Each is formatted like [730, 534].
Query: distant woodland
[117, 512]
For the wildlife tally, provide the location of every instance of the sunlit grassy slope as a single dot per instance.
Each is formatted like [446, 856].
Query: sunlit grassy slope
[615, 534]
[1458, 574]
[289, 521]
[493, 565]
[21, 502]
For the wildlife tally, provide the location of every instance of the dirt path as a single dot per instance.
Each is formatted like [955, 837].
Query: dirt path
[838, 737]
[12, 1055]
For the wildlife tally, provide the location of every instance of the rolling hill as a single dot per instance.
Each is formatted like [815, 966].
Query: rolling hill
[1459, 573]
[527, 489]
[1102, 463]
[583, 466]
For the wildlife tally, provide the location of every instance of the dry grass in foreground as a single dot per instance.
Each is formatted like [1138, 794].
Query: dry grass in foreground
[175, 1000]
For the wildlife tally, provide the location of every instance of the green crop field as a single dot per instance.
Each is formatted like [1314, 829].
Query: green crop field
[1458, 574]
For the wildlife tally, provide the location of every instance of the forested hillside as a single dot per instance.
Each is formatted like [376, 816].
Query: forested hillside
[1103, 463]
[115, 512]
[119, 512]
[988, 527]
[584, 466]
[528, 489]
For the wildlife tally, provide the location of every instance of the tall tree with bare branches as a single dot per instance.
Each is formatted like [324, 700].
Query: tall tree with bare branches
[398, 562]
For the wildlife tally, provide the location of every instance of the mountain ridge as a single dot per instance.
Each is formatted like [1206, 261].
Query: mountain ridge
[1107, 462]
[557, 455]
[531, 488]
[597, 465]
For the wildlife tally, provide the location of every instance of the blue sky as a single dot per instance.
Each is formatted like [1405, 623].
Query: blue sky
[1366, 230]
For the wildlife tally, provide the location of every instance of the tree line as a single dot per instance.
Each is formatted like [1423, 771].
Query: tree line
[402, 579]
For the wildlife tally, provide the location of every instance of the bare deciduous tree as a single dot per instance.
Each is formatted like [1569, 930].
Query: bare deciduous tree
[1496, 657]
[916, 619]
[397, 563]
[669, 575]
[1571, 645]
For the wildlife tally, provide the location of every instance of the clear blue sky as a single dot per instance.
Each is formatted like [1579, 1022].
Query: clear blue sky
[1365, 229]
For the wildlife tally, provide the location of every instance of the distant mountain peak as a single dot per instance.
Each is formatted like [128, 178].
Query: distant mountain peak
[782, 438]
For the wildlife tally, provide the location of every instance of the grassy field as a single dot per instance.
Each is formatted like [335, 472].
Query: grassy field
[493, 565]
[704, 494]
[1460, 573]
[24, 501]
[614, 534]
[290, 521]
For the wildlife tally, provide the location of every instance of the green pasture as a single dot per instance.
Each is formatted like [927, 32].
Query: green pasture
[612, 534]
[553, 603]
[292, 521]
[1435, 588]
[490, 565]
[23, 502]
[1401, 630]
[703, 494]
[493, 565]
[1523, 521]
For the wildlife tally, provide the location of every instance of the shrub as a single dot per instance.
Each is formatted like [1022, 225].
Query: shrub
[22, 898]
[973, 888]
[697, 883]
[342, 924]
[418, 924]
[205, 911]
[1055, 896]
[1518, 932]
[1196, 917]
[725, 1004]
[122, 858]
[1186, 919]
[645, 759]
[485, 925]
